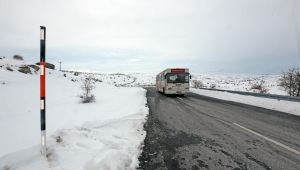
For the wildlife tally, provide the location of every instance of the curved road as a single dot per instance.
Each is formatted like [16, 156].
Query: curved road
[198, 132]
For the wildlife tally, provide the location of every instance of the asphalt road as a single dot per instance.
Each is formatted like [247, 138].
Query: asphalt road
[198, 132]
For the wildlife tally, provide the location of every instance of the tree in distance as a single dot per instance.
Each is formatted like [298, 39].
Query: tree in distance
[290, 81]
[197, 84]
[259, 87]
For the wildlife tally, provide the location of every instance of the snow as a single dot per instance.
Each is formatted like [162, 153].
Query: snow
[107, 134]
[143, 79]
[273, 104]
[116, 79]
[240, 82]
[224, 81]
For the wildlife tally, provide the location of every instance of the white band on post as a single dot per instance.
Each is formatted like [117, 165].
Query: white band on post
[42, 69]
[42, 34]
[42, 105]
[43, 142]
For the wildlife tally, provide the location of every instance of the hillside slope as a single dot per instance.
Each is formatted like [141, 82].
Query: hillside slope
[106, 134]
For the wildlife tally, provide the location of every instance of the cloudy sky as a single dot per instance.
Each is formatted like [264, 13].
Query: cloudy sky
[240, 36]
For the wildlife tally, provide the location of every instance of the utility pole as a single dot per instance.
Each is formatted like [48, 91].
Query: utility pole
[59, 65]
[43, 88]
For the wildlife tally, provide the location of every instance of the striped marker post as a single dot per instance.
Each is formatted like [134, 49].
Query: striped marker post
[43, 88]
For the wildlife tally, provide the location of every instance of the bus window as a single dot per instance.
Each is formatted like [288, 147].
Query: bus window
[177, 77]
[173, 77]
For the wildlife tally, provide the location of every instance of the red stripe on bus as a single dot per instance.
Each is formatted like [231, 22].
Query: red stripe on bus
[177, 70]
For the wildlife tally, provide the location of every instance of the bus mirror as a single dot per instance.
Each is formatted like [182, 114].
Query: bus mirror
[165, 76]
[190, 76]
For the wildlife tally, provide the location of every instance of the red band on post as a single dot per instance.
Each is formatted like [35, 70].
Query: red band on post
[43, 79]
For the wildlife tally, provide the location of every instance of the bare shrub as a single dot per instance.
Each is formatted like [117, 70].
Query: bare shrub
[76, 73]
[87, 86]
[259, 87]
[48, 65]
[6, 167]
[213, 86]
[9, 69]
[197, 84]
[24, 69]
[17, 57]
[290, 81]
[51, 156]
[59, 139]
[36, 68]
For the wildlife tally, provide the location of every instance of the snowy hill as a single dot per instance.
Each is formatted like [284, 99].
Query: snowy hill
[79, 136]
[225, 81]
[240, 82]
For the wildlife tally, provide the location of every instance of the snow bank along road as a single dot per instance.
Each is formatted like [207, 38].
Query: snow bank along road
[198, 132]
[106, 134]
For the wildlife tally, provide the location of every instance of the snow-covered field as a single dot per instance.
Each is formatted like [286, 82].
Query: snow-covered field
[117, 79]
[107, 134]
[225, 81]
[240, 82]
[143, 79]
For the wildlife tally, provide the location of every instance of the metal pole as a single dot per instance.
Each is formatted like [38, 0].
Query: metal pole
[43, 88]
[60, 65]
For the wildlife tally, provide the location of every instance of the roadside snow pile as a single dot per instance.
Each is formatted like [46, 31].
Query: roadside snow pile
[114, 144]
[106, 134]
[240, 82]
[273, 104]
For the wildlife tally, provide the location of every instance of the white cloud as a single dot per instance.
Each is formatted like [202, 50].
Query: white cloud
[165, 30]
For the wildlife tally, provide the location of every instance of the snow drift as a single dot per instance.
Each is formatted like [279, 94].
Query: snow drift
[107, 134]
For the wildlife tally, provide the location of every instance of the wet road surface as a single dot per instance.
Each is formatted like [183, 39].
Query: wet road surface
[199, 132]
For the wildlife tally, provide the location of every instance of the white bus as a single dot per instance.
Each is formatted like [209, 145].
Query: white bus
[173, 81]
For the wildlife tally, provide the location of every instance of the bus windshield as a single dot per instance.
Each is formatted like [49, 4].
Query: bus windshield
[177, 77]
